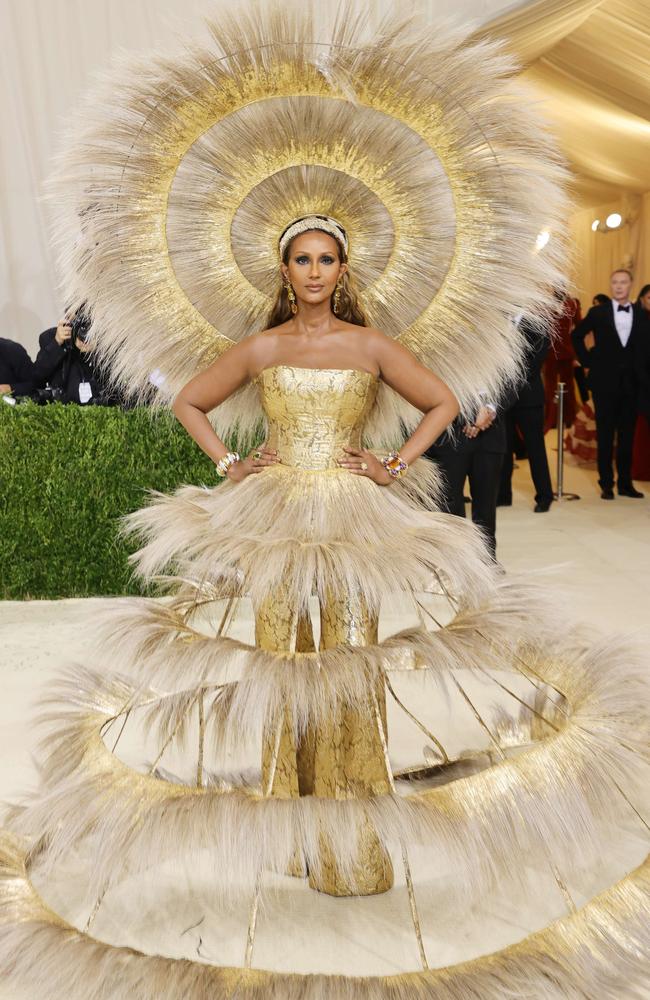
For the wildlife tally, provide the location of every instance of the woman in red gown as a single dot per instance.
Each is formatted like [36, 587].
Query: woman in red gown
[580, 438]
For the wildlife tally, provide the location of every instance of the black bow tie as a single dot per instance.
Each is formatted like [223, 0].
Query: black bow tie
[623, 309]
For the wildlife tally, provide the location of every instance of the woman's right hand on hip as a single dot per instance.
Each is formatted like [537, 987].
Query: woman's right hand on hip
[258, 460]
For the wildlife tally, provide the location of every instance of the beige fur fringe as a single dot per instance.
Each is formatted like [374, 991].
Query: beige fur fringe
[556, 798]
[599, 953]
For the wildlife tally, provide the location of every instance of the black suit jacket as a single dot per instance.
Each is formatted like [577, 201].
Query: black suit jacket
[492, 441]
[531, 390]
[50, 357]
[612, 367]
[16, 367]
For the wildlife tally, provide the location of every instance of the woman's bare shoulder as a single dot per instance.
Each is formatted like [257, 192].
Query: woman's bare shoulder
[261, 346]
[375, 341]
[387, 352]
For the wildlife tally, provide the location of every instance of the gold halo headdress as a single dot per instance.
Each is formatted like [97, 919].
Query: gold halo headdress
[181, 174]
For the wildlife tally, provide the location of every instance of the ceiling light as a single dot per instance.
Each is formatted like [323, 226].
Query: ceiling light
[614, 220]
[594, 225]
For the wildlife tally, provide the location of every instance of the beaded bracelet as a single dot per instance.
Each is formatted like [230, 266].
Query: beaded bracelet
[224, 463]
[395, 465]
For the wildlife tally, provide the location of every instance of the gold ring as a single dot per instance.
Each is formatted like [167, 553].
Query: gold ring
[364, 466]
[257, 455]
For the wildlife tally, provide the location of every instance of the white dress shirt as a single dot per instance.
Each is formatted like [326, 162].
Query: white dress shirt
[623, 321]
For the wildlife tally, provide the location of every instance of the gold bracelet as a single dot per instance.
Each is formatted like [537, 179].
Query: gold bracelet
[224, 463]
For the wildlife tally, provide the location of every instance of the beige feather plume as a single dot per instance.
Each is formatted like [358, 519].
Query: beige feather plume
[178, 176]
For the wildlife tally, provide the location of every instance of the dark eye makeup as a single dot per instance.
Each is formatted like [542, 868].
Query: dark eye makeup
[304, 259]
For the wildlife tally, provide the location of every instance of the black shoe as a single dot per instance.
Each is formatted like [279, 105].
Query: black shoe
[607, 493]
[542, 506]
[629, 491]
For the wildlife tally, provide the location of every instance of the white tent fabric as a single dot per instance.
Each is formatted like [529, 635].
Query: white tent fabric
[587, 58]
[595, 83]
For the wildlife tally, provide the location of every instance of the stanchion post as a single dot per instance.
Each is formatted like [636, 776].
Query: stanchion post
[559, 494]
[559, 395]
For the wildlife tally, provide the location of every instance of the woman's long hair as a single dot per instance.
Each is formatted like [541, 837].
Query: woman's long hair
[349, 308]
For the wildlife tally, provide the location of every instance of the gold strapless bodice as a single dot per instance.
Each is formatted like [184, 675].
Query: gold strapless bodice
[313, 412]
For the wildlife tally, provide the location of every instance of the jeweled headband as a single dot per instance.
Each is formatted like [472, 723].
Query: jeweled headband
[323, 222]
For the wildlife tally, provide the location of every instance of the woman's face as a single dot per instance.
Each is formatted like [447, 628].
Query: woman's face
[313, 266]
[645, 301]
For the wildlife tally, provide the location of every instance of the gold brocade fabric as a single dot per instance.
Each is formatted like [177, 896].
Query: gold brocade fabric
[312, 413]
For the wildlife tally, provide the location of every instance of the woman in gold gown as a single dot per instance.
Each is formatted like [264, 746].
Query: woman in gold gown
[272, 756]
[317, 367]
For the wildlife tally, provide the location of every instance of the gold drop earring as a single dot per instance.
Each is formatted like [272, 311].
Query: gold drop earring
[291, 295]
[337, 297]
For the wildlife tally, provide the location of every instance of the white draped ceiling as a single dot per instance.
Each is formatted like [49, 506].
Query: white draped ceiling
[590, 62]
[588, 59]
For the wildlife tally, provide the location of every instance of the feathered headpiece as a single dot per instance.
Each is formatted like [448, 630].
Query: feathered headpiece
[181, 174]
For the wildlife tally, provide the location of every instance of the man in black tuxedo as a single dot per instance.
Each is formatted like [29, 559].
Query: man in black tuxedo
[527, 413]
[473, 450]
[609, 342]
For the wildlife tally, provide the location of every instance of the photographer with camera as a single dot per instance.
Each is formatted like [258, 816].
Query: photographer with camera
[65, 363]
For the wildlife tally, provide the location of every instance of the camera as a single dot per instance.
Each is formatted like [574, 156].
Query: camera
[80, 325]
[48, 395]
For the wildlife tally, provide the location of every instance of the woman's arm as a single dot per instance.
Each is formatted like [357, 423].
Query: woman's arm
[210, 388]
[51, 353]
[418, 385]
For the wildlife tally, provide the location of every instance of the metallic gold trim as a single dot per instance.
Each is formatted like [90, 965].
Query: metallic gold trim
[199, 765]
[252, 923]
[414, 908]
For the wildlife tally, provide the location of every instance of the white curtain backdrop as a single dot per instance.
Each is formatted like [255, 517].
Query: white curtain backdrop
[50, 51]
[590, 62]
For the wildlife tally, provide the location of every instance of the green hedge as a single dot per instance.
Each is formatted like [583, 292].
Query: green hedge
[67, 473]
